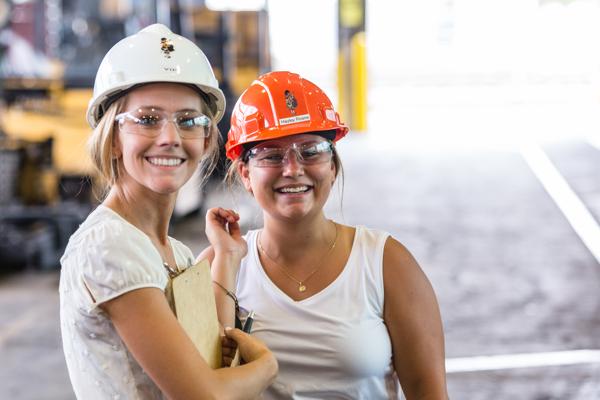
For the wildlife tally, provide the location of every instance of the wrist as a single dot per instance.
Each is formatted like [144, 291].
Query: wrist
[233, 256]
[229, 293]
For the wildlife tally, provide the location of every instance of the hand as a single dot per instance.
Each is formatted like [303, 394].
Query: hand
[223, 232]
[250, 348]
[228, 349]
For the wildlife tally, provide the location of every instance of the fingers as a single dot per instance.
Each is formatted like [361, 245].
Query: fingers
[222, 216]
[234, 229]
[223, 231]
[250, 348]
[226, 361]
[243, 341]
[234, 334]
[228, 344]
[227, 219]
[228, 351]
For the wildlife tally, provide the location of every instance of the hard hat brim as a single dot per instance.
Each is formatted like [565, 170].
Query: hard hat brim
[99, 105]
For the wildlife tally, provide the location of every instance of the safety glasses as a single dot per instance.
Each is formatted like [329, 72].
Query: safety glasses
[307, 153]
[151, 121]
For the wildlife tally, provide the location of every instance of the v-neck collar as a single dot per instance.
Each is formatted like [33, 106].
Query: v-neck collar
[349, 264]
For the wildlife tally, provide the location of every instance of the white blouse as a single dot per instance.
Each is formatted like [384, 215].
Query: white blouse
[104, 259]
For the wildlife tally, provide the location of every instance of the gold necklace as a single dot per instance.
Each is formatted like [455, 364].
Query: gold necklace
[301, 283]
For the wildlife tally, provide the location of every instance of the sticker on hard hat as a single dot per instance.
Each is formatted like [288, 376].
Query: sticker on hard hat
[290, 101]
[330, 115]
[294, 120]
[166, 46]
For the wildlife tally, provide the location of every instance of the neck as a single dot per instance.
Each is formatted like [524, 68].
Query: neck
[149, 212]
[306, 234]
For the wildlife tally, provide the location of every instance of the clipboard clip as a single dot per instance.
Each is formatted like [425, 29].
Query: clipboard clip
[173, 272]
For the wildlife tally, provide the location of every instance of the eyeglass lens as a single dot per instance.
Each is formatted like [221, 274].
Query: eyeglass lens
[306, 153]
[151, 122]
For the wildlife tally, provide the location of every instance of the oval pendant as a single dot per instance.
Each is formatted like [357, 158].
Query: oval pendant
[301, 288]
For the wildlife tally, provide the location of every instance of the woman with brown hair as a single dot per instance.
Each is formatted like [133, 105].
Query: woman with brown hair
[347, 310]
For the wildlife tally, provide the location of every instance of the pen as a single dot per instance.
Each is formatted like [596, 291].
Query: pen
[248, 323]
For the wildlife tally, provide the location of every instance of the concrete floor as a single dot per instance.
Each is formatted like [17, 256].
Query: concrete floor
[510, 273]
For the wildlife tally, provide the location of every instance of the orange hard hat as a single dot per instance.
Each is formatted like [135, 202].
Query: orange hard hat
[279, 104]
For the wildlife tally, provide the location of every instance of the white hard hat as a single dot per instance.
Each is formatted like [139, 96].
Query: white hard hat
[154, 54]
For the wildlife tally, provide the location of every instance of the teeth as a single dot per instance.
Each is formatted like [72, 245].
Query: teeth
[294, 189]
[170, 162]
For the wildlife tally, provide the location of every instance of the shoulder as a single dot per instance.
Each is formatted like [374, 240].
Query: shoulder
[108, 256]
[104, 233]
[398, 262]
[251, 234]
[396, 254]
[370, 235]
[403, 277]
[251, 238]
[393, 257]
[248, 265]
[367, 240]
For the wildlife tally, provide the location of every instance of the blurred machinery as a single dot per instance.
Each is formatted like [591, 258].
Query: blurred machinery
[352, 63]
[49, 53]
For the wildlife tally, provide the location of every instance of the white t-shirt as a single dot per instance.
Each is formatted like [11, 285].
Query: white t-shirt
[105, 258]
[334, 344]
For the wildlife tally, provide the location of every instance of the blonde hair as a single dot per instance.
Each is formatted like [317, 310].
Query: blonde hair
[106, 163]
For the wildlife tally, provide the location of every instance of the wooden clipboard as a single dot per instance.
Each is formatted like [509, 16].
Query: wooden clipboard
[190, 295]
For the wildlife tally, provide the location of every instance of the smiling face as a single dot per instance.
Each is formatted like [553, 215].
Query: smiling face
[292, 190]
[161, 164]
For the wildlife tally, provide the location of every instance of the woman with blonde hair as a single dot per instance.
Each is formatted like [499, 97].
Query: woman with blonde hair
[154, 109]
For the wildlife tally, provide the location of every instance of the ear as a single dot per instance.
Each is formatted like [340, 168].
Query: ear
[244, 173]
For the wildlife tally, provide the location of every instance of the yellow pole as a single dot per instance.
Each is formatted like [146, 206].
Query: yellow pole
[358, 67]
[342, 109]
[352, 64]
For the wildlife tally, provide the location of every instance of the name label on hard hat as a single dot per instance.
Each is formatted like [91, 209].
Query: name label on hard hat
[330, 115]
[294, 120]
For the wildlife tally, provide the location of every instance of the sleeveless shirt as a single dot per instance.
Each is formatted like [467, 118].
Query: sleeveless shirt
[334, 344]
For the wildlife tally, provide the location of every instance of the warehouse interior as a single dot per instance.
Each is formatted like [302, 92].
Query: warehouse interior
[474, 139]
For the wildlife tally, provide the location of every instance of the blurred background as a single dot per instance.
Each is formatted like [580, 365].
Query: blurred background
[475, 140]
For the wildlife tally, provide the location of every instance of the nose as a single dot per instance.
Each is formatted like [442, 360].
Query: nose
[291, 163]
[169, 135]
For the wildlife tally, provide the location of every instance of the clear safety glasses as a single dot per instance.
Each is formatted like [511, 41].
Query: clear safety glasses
[307, 153]
[151, 121]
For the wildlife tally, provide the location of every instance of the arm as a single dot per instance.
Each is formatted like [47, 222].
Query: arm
[225, 254]
[412, 316]
[152, 334]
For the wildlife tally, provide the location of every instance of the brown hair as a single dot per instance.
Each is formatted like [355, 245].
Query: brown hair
[100, 148]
